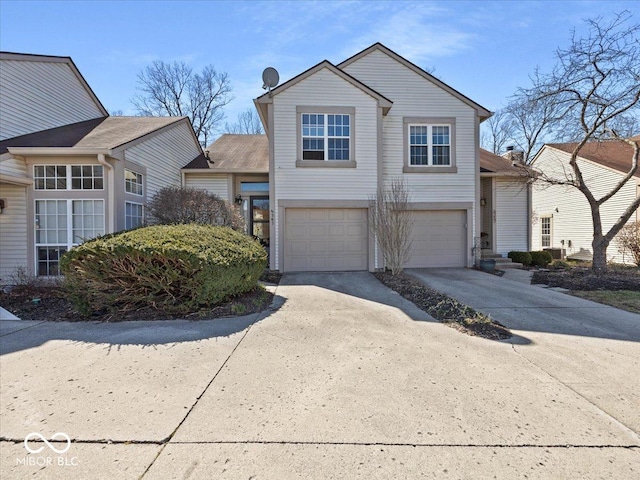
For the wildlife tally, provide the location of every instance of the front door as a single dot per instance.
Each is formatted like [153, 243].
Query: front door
[259, 219]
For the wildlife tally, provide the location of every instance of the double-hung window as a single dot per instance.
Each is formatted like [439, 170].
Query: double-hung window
[133, 182]
[133, 215]
[429, 145]
[326, 136]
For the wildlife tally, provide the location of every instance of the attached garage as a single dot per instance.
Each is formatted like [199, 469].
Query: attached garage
[325, 239]
[438, 239]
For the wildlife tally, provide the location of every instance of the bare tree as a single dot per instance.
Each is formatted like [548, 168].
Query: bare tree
[248, 123]
[594, 85]
[174, 89]
[391, 223]
[498, 132]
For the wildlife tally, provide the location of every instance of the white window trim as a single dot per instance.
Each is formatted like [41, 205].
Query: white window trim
[68, 168]
[141, 194]
[69, 213]
[430, 122]
[326, 163]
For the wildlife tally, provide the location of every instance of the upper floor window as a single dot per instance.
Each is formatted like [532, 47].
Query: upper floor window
[133, 182]
[429, 145]
[68, 177]
[326, 136]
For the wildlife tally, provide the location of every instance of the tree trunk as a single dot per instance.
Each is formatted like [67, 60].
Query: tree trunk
[600, 242]
[599, 246]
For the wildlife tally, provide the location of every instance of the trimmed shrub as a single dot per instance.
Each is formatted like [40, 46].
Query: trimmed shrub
[541, 258]
[629, 242]
[173, 205]
[520, 257]
[175, 268]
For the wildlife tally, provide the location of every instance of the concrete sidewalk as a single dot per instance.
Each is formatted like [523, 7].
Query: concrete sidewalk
[345, 380]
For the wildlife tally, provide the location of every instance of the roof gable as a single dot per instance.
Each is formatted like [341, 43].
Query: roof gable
[482, 112]
[28, 57]
[613, 154]
[266, 98]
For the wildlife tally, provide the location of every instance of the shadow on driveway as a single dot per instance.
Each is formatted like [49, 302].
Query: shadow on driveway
[531, 308]
[18, 335]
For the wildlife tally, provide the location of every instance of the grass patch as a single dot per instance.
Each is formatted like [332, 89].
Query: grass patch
[628, 300]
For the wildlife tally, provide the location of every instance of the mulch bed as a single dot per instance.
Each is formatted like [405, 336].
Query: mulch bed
[586, 279]
[444, 308]
[55, 307]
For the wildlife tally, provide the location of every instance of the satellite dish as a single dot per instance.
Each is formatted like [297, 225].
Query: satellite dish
[270, 78]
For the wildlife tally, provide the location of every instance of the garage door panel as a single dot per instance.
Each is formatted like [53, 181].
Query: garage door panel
[325, 239]
[438, 239]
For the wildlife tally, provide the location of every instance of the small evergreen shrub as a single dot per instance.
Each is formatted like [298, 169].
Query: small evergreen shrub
[520, 257]
[175, 268]
[541, 258]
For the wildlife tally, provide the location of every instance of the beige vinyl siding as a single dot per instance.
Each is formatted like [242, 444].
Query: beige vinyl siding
[573, 221]
[13, 167]
[217, 184]
[13, 231]
[323, 89]
[414, 96]
[511, 216]
[163, 155]
[37, 96]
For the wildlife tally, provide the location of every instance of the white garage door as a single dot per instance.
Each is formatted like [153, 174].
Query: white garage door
[438, 239]
[325, 239]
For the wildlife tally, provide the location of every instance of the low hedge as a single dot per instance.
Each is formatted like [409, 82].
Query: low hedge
[541, 258]
[520, 257]
[176, 268]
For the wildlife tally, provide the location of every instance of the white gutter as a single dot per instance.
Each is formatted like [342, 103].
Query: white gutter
[32, 151]
[224, 170]
[111, 192]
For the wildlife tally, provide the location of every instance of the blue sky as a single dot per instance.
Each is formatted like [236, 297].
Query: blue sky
[483, 49]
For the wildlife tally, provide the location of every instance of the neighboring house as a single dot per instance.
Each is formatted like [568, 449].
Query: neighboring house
[338, 132]
[237, 170]
[504, 204]
[69, 171]
[561, 216]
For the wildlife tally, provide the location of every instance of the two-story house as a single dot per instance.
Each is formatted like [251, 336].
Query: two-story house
[338, 132]
[68, 170]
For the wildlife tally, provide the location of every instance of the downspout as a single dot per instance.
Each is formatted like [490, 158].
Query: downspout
[111, 193]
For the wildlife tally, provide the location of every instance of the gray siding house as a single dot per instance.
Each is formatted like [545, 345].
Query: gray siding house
[68, 170]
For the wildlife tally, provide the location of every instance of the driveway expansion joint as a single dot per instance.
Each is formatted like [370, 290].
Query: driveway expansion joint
[175, 430]
[401, 444]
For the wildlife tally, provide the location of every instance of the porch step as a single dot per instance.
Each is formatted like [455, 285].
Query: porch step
[501, 262]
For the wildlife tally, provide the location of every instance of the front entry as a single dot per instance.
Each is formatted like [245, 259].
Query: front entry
[259, 219]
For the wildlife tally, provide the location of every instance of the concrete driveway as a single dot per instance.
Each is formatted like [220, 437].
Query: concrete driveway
[345, 380]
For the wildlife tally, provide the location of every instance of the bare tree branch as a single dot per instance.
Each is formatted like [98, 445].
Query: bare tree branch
[248, 123]
[594, 88]
[174, 89]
